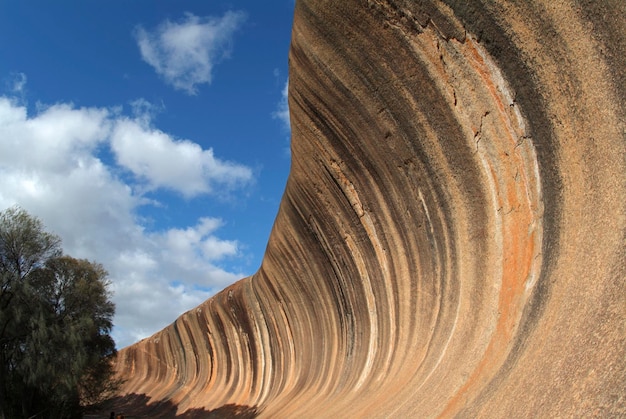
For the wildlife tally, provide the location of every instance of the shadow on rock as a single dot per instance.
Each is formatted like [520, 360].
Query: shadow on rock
[139, 406]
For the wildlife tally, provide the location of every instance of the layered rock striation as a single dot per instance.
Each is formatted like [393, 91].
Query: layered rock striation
[451, 240]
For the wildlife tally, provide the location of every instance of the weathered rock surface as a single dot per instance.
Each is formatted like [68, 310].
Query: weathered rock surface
[451, 241]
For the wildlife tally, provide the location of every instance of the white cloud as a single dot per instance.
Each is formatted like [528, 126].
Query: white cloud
[282, 112]
[185, 52]
[169, 273]
[17, 83]
[50, 165]
[57, 132]
[164, 162]
[145, 111]
[182, 243]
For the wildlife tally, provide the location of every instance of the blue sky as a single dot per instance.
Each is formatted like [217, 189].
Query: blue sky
[152, 136]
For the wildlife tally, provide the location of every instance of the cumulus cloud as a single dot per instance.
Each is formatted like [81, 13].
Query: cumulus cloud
[173, 271]
[185, 52]
[164, 162]
[53, 164]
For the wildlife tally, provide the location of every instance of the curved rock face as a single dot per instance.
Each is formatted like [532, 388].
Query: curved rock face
[451, 241]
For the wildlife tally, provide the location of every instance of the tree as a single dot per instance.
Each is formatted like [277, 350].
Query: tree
[55, 323]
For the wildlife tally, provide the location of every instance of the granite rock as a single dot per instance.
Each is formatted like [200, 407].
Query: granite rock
[451, 240]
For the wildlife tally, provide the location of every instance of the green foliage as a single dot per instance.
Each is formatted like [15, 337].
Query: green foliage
[55, 324]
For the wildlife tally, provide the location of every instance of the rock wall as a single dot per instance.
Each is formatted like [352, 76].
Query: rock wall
[451, 240]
